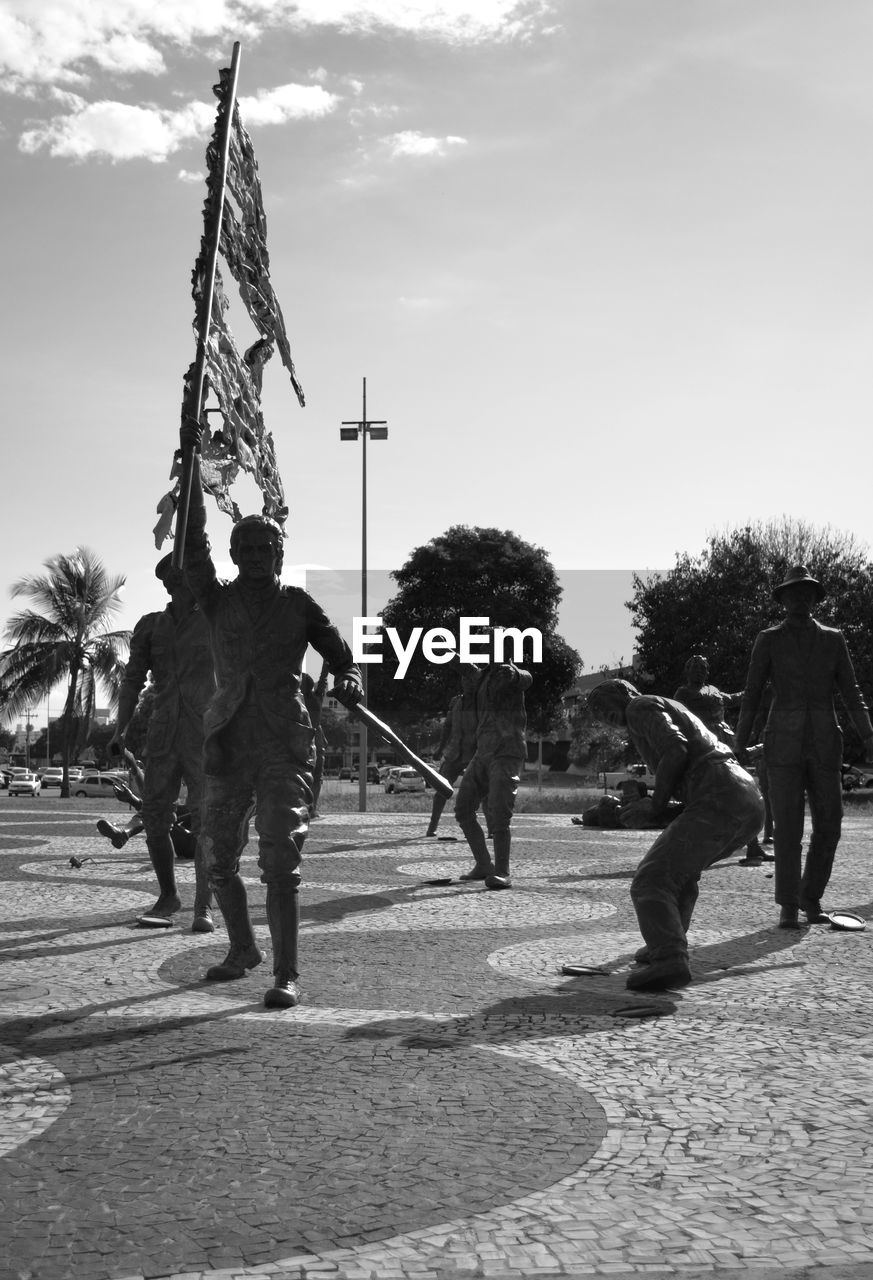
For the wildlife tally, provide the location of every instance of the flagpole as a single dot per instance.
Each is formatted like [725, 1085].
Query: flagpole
[213, 238]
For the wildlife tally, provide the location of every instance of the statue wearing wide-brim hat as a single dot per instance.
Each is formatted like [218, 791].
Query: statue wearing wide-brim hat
[797, 576]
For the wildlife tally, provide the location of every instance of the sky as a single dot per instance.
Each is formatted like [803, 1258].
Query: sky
[604, 265]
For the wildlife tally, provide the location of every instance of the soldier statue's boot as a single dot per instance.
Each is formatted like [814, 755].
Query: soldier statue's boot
[244, 952]
[162, 855]
[436, 810]
[663, 961]
[203, 921]
[789, 916]
[283, 916]
[660, 975]
[499, 879]
[478, 847]
[118, 835]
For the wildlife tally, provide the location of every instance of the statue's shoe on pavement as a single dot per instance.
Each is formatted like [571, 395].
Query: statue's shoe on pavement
[284, 994]
[235, 964]
[203, 921]
[160, 916]
[660, 975]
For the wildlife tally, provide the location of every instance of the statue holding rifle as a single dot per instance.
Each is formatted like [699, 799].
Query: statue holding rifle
[259, 741]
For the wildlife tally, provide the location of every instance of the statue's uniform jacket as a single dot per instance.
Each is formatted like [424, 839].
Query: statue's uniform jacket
[179, 658]
[806, 664]
[708, 703]
[258, 660]
[458, 740]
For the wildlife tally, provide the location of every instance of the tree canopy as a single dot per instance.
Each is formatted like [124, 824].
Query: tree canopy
[65, 636]
[715, 603]
[470, 572]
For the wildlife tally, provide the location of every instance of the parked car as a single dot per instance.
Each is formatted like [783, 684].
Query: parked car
[345, 775]
[372, 774]
[51, 777]
[613, 779]
[855, 779]
[24, 784]
[403, 780]
[96, 784]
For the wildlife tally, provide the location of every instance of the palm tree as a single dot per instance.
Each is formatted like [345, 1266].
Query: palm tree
[65, 636]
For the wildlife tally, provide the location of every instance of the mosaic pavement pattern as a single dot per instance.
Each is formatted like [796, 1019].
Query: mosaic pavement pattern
[445, 1101]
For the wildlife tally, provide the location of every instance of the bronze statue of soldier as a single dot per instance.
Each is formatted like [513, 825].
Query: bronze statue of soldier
[493, 775]
[457, 740]
[705, 700]
[259, 741]
[806, 664]
[722, 810]
[709, 704]
[174, 646]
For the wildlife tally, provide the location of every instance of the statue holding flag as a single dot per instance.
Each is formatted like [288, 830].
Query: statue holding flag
[259, 741]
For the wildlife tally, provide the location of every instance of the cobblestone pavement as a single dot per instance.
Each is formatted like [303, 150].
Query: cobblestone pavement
[444, 1102]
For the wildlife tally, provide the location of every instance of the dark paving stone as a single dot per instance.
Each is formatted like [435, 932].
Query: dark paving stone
[256, 1144]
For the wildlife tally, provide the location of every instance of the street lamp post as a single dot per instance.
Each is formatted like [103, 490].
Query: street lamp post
[377, 429]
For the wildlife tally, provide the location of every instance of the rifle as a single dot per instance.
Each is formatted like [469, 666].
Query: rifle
[387, 734]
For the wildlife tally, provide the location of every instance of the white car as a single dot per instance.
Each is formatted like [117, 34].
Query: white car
[633, 773]
[403, 780]
[24, 784]
[96, 784]
[52, 777]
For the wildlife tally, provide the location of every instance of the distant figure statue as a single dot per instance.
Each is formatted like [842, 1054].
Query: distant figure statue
[493, 775]
[458, 740]
[706, 701]
[709, 704]
[807, 664]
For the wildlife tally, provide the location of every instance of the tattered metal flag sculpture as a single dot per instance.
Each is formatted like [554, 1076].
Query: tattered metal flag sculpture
[239, 235]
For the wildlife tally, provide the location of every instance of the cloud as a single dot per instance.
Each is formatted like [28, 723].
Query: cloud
[118, 131]
[458, 21]
[411, 143]
[69, 41]
[62, 51]
[192, 176]
[287, 102]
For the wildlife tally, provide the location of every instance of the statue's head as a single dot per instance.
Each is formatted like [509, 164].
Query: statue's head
[257, 548]
[609, 701]
[174, 580]
[800, 592]
[697, 670]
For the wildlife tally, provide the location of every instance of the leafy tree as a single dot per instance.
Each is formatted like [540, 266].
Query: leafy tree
[66, 636]
[334, 725]
[467, 573]
[715, 603]
[595, 746]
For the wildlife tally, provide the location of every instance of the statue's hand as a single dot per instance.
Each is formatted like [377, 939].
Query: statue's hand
[190, 434]
[347, 691]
